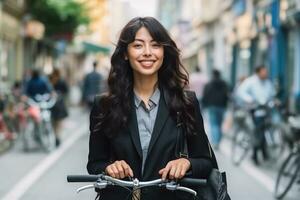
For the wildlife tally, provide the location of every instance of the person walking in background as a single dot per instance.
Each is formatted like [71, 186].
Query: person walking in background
[257, 90]
[197, 82]
[37, 84]
[59, 111]
[215, 98]
[91, 86]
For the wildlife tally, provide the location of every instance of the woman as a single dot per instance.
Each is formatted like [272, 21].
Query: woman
[133, 127]
[59, 111]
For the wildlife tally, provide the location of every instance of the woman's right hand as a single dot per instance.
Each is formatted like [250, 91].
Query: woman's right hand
[119, 169]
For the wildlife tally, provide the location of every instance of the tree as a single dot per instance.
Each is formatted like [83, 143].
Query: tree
[60, 17]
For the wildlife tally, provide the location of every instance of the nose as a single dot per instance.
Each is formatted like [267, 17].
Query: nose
[147, 50]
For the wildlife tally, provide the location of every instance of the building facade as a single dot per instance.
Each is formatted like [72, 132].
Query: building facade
[235, 36]
[11, 41]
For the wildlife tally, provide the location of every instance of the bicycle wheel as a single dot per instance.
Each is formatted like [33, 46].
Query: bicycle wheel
[47, 136]
[241, 144]
[287, 175]
[28, 133]
[274, 142]
[5, 144]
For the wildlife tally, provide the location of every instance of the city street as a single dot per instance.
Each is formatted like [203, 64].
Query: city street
[240, 57]
[37, 175]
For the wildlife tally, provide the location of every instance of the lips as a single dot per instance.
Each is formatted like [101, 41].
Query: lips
[147, 63]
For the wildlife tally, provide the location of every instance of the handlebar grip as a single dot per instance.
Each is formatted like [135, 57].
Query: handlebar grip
[193, 182]
[82, 178]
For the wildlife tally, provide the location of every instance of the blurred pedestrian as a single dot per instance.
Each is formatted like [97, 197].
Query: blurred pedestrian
[215, 98]
[197, 82]
[37, 84]
[146, 102]
[59, 111]
[257, 90]
[91, 86]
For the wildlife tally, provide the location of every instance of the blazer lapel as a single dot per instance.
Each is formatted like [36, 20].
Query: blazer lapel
[161, 117]
[134, 132]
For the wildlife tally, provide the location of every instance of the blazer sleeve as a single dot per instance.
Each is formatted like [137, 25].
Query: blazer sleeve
[99, 145]
[201, 155]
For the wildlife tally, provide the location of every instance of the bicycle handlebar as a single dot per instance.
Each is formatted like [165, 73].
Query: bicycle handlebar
[101, 181]
[83, 178]
[193, 182]
[94, 178]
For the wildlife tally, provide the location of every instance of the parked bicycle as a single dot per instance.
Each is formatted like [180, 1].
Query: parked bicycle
[102, 181]
[6, 137]
[37, 126]
[289, 172]
[7, 134]
[242, 135]
[246, 124]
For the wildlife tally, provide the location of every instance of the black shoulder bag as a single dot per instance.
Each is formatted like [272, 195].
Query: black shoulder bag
[216, 188]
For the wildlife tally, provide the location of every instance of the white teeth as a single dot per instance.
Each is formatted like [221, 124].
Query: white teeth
[147, 63]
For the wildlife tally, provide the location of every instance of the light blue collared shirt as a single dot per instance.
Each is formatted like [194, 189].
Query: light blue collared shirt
[146, 119]
[255, 90]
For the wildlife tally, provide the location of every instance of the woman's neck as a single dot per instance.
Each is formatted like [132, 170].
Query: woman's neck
[144, 87]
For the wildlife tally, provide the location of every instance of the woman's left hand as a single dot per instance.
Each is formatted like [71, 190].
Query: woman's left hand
[175, 169]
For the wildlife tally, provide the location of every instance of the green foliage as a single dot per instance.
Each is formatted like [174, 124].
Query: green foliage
[59, 16]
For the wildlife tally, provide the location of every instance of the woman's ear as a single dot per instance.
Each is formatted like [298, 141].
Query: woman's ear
[125, 57]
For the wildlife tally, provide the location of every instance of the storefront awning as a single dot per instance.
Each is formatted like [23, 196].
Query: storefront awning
[95, 48]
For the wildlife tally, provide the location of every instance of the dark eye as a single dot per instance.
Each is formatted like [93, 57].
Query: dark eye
[156, 45]
[137, 46]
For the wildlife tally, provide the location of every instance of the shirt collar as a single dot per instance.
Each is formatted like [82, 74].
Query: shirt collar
[154, 98]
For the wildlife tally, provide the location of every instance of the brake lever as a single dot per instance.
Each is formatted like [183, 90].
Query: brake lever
[171, 186]
[174, 186]
[85, 188]
[185, 189]
[101, 185]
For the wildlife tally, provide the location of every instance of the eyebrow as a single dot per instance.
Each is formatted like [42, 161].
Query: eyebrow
[141, 40]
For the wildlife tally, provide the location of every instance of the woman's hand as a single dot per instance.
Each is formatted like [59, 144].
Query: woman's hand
[119, 169]
[175, 169]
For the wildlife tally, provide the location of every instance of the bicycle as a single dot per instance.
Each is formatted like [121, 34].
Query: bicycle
[246, 123]
[101, 181]
[37, 124]
[6, 137]
[242, 135]
[289, 171]
[7, 133]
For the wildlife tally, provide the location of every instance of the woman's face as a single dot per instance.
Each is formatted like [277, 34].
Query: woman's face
[144, 54]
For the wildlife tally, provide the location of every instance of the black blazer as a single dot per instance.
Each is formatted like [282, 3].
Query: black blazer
[126, 146]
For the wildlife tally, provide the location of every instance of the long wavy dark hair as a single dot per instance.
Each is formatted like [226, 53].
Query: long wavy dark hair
[116, 106]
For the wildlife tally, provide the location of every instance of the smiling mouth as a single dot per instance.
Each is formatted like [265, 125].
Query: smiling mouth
[147, 63]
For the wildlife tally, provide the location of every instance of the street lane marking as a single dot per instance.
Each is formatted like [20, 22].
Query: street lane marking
[25, 183]
[251, 170]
